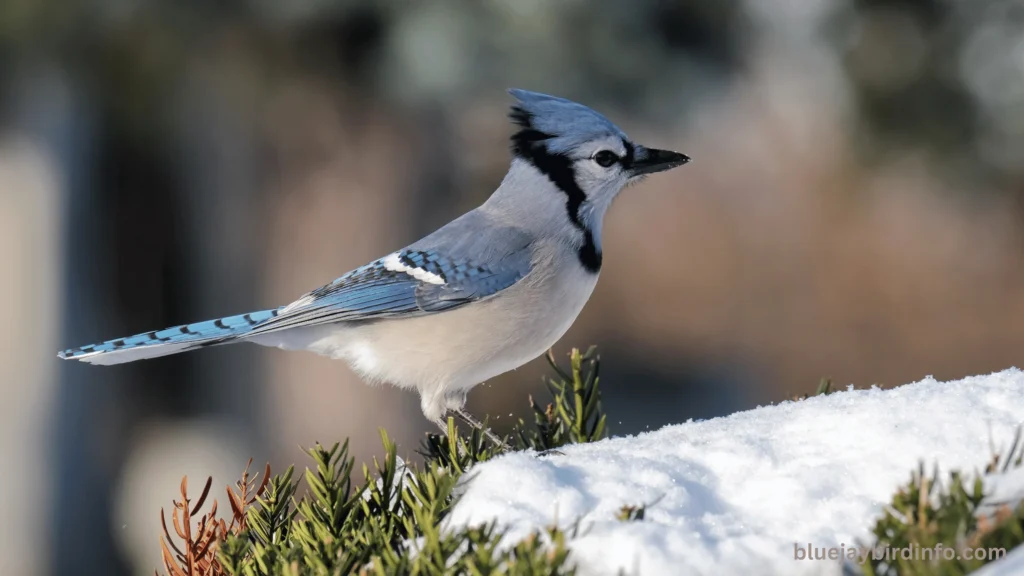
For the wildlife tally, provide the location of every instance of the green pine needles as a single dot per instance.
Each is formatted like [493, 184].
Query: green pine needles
[391, 523]
[575, 414]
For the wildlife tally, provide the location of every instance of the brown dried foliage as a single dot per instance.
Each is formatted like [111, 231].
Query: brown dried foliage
[197, 555]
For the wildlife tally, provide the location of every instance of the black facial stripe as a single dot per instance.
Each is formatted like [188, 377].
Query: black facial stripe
[528, 145]
[588, 253]
[521, 117]
[627, 159]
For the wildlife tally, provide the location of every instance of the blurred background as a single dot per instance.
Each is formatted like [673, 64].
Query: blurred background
[855, 209]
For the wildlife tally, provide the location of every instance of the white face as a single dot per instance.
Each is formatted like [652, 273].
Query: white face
[598, 165]
[601, 176]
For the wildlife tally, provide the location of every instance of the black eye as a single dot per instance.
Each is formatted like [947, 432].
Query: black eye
[606, 158]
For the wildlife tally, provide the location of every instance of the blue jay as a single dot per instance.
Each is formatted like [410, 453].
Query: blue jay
[484, 294]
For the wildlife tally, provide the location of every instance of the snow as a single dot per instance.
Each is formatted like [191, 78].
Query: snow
[1011, 565]
[744, 493]
[1006, 489]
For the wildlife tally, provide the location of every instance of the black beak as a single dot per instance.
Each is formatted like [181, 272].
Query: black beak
[651, 160]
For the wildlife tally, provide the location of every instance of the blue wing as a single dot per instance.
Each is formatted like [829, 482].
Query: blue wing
[409, 282]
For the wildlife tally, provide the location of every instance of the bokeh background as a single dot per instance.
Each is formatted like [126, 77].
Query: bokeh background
[855, 209]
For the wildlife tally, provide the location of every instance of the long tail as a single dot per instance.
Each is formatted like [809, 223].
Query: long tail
[169, 340]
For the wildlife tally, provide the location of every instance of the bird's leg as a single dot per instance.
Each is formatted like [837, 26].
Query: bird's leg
[442, 425]
[455, 401]
[469, 419]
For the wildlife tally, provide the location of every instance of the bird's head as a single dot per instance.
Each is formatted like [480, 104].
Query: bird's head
[579, 149]
[569, 163]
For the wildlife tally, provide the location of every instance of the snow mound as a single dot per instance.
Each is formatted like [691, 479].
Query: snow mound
[743, 494]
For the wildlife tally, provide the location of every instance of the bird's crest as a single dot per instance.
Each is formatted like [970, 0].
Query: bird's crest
[558, 124]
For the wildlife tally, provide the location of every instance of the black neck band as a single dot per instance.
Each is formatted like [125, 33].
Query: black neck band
[528, 144]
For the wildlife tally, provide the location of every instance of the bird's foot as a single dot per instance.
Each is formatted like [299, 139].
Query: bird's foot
[494, 438]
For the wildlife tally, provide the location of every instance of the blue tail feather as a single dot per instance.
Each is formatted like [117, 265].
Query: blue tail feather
[169, 340]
